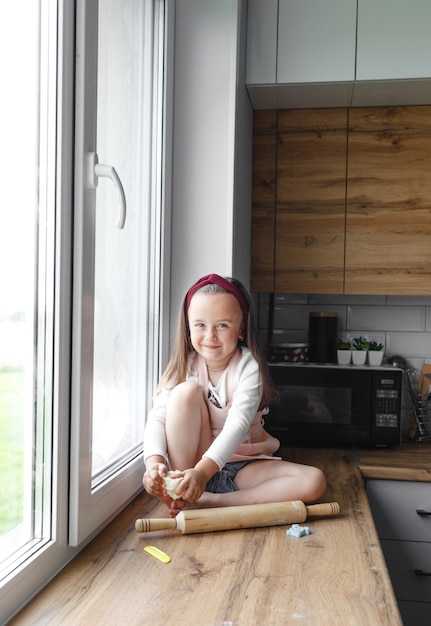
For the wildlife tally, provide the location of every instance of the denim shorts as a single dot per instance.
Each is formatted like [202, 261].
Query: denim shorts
[223, 480]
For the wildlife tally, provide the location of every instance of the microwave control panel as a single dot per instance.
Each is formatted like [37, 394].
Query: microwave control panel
[388, 401]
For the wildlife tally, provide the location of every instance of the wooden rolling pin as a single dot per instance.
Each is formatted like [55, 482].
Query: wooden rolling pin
[234, 517]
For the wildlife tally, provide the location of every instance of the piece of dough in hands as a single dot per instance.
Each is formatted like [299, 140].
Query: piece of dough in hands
[171, 483]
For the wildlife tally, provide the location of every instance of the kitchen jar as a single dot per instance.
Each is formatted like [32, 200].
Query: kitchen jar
[323, 337]
[288, 353]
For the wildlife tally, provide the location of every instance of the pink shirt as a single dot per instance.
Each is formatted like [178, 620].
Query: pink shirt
[236, 422]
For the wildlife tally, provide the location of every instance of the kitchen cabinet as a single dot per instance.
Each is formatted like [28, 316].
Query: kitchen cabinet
[261, 65]
[314, 47]
[343, 203]
[299, 41]
[298, 213]
[393, 39]
[310, 206]
[308, 53]
[299, 55]
[263, 192]
[388, 210]
[402, 515]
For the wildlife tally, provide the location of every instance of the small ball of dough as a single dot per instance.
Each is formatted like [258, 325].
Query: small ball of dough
[171, 484]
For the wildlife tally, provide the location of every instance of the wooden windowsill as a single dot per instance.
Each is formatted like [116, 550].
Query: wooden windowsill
[335, 575]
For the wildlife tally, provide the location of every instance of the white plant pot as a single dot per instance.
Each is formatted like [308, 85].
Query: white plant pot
[375, 357]
[344, 357]
[359, 357]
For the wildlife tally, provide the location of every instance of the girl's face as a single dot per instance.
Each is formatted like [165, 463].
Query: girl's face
[215, 322]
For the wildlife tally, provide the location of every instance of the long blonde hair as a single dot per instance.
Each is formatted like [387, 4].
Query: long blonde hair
[176, 369]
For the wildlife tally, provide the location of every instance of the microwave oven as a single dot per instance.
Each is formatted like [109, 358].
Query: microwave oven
[336, 405]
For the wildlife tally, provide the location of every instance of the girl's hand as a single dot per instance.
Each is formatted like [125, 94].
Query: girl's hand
[153, 481]
[192, 486]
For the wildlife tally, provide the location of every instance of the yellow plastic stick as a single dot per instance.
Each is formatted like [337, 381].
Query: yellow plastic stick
[158, 554]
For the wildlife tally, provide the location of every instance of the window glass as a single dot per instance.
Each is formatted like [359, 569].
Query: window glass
[122, 257]
[27, 181]
[56, 460]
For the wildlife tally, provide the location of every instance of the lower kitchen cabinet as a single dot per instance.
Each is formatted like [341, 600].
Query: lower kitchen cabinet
[414, 613]
[402, 514]
[409, 563]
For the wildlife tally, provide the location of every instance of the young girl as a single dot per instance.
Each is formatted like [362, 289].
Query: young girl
[207, 418]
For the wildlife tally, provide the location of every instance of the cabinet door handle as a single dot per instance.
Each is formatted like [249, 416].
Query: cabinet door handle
[420, 572]
[422, 512]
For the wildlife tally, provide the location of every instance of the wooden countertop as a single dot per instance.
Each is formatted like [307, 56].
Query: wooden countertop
[412, 461]
[335, 575]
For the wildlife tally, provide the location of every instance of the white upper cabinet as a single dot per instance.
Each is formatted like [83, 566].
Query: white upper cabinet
[262, 42]
[316, 41]
[332, 53]
[393, 39]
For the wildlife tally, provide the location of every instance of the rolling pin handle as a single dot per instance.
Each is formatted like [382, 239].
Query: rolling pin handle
[148, 525]
[326, 508]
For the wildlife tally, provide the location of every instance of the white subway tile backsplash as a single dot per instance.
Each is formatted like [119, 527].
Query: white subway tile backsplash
[402, 324]
[387, 318]
[290, 336]
[297, 317]
[262, 315]
[290, 298]
[409, 300]
[414, 362]
[342, 299]
[409, 344]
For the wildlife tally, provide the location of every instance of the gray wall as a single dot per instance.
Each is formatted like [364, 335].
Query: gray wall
[212, 133]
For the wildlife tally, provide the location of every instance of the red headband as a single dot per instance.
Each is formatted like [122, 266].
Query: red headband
[215, 279]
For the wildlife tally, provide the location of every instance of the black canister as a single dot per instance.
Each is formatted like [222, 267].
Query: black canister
[322, 331]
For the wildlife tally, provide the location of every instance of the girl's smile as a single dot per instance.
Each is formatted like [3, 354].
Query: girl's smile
[215, 322]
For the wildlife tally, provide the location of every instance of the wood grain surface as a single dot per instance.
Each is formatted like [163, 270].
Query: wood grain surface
[311, 192]
[388, 227]
[351, 194]
[336, 575]
[263, 194]
[412, 461]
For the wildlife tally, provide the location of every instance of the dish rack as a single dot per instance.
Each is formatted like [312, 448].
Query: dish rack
[419, 387]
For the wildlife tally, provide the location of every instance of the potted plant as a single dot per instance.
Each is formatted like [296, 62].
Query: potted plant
[344, 352]
[375, 353]
[359, 351]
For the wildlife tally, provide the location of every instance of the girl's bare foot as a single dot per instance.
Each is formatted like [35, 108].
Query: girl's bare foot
[178, 505]
[207, 500]
[175, 506]
[170, 503]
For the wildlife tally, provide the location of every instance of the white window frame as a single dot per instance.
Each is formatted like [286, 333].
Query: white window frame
[22, 584]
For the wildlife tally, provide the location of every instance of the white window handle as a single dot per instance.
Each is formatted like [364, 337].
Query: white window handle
[96, 170]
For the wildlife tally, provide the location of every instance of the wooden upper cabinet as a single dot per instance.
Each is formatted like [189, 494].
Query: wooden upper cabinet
[388, 227]
[342, 201]
[310, 204]
[263, 194]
